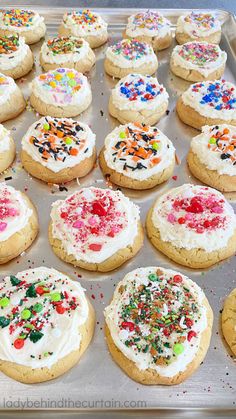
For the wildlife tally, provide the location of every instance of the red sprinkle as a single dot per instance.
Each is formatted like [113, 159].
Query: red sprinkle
[19, 343]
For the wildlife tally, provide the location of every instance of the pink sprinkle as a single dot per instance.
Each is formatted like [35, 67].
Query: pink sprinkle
[92, 221]
[217, 210]
[12, 212]
[171, 218]
[3, 226]
[78, 224]
[174, 177]
[189, 216]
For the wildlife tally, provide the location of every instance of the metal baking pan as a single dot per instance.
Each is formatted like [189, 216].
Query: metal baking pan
[97, 382]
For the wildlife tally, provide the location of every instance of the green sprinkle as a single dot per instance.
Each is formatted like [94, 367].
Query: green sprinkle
[155, 146]
[146, 349]
[46, 126]
[178, 348]
[68, 140]
[4, 322]
[38, 307]
[72, 82]
[31, 292]
[212, 140]
[22, 336]
[25, 314]
[153, 277]
[35, 335]
[29, 326]
[4, 302]
[122, 135]
[56, 296]
[14, 280]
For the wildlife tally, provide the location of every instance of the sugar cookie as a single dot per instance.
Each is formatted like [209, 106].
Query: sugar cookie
[16, 58]
[197, 26]
[12, 101]
[7, 149]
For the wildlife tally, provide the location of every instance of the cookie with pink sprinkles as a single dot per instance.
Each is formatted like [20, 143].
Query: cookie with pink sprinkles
[198, 61]
[193, 225]
[95, 229]
[130, 56]
[149, 26]
[60, 93]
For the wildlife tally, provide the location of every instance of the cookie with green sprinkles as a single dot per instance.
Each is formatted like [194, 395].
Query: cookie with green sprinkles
[158, 326]
[46, 324]
[67, 51]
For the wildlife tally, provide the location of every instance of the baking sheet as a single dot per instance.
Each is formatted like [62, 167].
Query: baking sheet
[97, 382]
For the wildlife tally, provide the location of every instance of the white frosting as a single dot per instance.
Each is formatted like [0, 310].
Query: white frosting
[15, 58]
[210, 154]
[120, 100]
[205, 68]
[36, 21]
[7, 88]
[78, 27]
[76, 230]
[62, 159]
[165, 151]
[60, 333]
[148, 23]
[194, 99]
[14, 211]
[5, 139]
[195, 28]
[165, 219]
[142, 360]
[61, 95]
[126, 54]
[73, 56]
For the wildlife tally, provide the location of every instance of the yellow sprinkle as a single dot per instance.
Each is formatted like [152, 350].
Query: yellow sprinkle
[52, 83]
[70, 75]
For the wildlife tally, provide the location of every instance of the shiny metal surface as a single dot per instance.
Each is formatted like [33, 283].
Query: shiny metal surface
[96, 380]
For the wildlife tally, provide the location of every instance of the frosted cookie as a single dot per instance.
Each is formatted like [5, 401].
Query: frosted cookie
[85, 24]
[25, 23]
[130, 56]
[69, 52]
[12, 101]
[158, 326]
[95, 229]
[198, 61]
[212, 157]
[137, 156]
[16, 58]
[61, 93]
[197, 26]
[58, 150]
[151, 27]
[46, 324]
[208, 103]
[229, 321]
[138, 98]
[7, 149]
[18, 223]
[193, 225]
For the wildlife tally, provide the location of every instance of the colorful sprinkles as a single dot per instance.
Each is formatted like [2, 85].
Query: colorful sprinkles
[201, 211]
[199, 53]
[223, 142]
[91, 217]
[62, 83]
[201, 20]
[149, 20]
[138, 147]
[57, 139]
[84, 19]
[65, 45]
[29, 308]
[9, 44]
[17, 17]
[140, 88]
[131, 49]
[9, 207]
[218, 95]
[158, 316]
